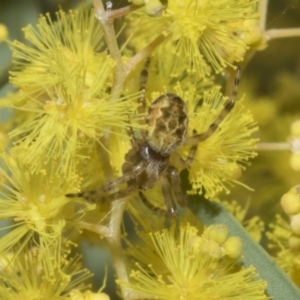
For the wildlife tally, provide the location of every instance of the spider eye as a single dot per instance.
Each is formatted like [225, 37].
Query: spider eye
[167, 122]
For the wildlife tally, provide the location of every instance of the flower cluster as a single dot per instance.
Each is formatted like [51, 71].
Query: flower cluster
[78, 111]
[284, 245]
[26, 276]
[191, 266]
[201, 35]
[68, 107]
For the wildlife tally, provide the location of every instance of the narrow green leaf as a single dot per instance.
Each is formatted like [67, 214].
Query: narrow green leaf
[279, 285]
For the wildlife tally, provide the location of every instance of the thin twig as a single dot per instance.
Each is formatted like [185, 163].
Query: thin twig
[138, 57]
[273, 146]
[117, 13]
[114, 241]
[113, 235]
[272, 34]
[113, 48]
[99, 229]
[262, 10]
[100, 11]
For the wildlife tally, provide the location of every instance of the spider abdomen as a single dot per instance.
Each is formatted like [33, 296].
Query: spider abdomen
[167, 122]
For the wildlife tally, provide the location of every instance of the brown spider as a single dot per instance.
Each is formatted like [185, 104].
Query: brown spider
[147, 162]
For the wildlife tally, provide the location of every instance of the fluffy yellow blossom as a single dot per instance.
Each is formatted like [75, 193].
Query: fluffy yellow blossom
[71, 46]
[281, 242]
[37, 205]
[202, 33]
[65, 82]
[181, 264]
[220, 159]
[254, 226]
[25, 277]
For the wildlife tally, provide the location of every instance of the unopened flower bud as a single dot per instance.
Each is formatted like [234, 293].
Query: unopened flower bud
[233, 247]
[218, 233]
[294, 242]
[290, 203]
[295, 224]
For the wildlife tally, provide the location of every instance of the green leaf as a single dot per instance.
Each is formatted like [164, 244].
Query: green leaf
[279, 285]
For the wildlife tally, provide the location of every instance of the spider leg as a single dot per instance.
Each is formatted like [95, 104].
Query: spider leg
[142, 99]
[169, 201]
[143, 83]
[135, 171]
[185, 163]
[122, 193]
[131, 135]
[228, 106]
[168, 196]
[157, 210]
[96, 196]
[176, 185]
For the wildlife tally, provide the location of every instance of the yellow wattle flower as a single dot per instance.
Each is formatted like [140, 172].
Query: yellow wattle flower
[202, 33]
[178, 263]
[219, 159]
[25, 275]
[281, 243]
[65, 85]
[37, 205]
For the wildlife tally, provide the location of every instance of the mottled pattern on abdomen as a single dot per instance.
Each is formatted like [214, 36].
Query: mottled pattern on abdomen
[167, 123]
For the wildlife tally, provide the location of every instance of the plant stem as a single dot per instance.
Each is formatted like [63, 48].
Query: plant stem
[113, 235]
[113, 48]
[99, 229]
[100, 11]
[121, 71]
[262, 10]
[282, 33]
[117, 13]
[273, 146]
[138, 57]
[114, 241]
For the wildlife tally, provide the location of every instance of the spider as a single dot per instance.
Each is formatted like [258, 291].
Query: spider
[147, 162]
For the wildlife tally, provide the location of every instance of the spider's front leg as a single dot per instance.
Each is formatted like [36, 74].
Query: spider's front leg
[143, 83]
[99, 196]
[168, 197]
[157, 210]
[176, 186]
[228, 106]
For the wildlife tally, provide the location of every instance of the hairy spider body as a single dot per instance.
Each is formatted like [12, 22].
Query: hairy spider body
[147, 162]
[154, 165]
[167, 122]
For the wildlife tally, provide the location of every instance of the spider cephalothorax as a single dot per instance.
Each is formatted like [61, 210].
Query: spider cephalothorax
[147, 162]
